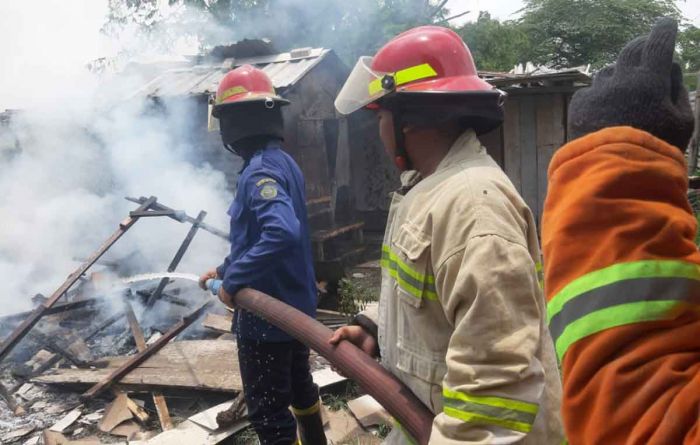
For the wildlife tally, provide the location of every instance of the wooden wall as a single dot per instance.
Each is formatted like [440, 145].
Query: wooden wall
[534, 128]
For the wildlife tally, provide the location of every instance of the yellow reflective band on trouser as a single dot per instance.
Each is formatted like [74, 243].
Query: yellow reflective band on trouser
[404, 76]
[622, 294]
[313, 409]
[231, 92]
[414, 283]
[511, 414]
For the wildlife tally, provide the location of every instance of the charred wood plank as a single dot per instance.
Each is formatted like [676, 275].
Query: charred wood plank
[182, 217]
[50, 344]
[152, 213]
[158, 399]
[146, 294]
[50, 363]
[142, 356]
[177, 258]
[40, 311]
[59, 308]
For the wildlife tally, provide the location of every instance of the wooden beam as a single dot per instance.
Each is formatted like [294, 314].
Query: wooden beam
[145, 354]
[19, 332]
[166, 422]
[177, 258]
[182, 217]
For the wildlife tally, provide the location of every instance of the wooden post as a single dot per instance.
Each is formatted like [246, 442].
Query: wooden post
[158, 400]
[176, 259]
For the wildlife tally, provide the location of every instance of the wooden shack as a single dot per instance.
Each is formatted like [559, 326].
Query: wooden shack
[535, 127]
[321, 141]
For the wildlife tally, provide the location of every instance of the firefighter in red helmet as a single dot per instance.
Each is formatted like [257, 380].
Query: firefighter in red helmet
[270, 252]
[461, 313]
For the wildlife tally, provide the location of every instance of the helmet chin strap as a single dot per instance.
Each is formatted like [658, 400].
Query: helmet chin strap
[401, 159]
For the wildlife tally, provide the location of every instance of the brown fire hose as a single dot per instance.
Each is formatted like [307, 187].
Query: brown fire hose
[393, 395]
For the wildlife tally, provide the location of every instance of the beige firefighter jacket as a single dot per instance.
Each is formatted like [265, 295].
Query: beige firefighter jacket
[461, 315]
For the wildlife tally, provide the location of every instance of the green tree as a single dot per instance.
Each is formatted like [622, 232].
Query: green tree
[565, 33]
[689, 48]
[496, 46]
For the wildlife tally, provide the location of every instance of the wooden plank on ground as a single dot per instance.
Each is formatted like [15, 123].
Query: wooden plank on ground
[134, 362]
[197, 364]
[511, 142]
[218, 323]
[188, 433]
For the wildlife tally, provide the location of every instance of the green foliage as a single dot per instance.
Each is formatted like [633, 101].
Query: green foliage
[384, 430]
[353, 297]
[689, 49]
[338, 401]
[577, 32]
[495, 46]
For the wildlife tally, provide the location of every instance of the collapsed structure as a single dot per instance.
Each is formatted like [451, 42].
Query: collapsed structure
[101, 336]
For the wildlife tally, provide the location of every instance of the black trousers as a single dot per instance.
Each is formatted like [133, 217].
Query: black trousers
[275, 376]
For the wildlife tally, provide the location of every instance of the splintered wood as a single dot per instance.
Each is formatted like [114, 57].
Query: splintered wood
[196, 364]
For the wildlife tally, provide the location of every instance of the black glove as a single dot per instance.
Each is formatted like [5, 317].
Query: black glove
[644, 89]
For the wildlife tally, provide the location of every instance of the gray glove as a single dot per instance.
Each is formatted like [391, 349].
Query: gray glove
[643, 89]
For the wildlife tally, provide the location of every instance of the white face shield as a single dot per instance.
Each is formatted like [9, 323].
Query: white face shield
[365, 85]
[362, 87]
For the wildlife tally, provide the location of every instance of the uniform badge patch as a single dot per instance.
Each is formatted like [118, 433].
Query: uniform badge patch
[265, 181]
[268, 192]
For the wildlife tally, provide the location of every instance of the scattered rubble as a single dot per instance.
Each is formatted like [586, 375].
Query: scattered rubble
[154, 361]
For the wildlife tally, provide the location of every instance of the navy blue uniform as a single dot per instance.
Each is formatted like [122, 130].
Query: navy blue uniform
[271, 252]
[270, 241]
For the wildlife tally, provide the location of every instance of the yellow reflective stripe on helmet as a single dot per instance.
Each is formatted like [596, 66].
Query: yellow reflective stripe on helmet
[404, 76]
[231, 92]
[507, 413]
[413, 282]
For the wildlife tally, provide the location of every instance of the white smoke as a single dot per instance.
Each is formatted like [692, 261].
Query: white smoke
[77, 147]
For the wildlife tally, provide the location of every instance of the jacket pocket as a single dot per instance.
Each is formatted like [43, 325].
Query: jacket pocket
[410, 265]
[418, 311]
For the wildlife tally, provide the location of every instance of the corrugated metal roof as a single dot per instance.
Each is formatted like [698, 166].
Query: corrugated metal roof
[539, 77]
[284, 70]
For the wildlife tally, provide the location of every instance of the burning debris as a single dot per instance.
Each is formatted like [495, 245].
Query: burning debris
[145, 358]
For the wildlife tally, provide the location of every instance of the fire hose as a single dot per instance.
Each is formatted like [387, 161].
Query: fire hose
[413, 416]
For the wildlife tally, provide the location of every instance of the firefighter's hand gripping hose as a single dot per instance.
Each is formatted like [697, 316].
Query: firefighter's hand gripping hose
[414, 417]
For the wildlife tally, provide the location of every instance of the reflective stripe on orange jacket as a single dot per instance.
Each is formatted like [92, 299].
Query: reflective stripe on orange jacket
[622, 280]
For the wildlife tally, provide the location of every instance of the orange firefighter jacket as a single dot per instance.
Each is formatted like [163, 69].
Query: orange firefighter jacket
[622, 281]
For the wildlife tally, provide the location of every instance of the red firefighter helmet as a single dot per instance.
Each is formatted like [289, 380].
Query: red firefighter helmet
[243, 85]
[427, 59]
